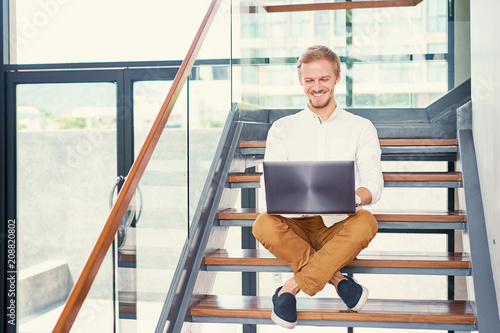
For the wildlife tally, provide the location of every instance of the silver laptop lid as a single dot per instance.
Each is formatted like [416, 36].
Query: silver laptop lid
[319, 187]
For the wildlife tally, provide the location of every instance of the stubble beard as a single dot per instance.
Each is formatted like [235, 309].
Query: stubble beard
[320, 106]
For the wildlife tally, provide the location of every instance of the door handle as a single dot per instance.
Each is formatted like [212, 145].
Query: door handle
[134, 210]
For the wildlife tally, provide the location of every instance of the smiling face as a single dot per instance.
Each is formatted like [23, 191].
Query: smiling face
[318, 80]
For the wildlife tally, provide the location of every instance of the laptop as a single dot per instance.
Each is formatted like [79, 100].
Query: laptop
[306, 187]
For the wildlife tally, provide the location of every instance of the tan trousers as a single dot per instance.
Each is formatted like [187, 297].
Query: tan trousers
[313, 251]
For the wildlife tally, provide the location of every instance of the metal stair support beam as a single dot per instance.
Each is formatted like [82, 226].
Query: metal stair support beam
[482, 272]
[248, 241]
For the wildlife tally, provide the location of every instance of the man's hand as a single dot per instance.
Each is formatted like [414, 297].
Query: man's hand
[365, 196]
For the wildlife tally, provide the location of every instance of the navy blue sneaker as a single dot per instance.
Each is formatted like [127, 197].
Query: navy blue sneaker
[284, 310]
[352, 293]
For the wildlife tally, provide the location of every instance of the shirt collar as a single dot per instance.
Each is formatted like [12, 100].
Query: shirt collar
[318, 118]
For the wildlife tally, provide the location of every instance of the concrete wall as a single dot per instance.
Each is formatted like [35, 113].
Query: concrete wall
[485, 69]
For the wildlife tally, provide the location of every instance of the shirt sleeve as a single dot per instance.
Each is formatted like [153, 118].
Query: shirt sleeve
[368, 155]
[275, 145]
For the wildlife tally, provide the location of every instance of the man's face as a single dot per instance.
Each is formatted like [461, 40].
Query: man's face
[318, 80]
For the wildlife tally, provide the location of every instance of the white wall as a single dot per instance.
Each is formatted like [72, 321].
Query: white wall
[485, 71]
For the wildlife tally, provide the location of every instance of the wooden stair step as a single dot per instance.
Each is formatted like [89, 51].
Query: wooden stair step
[374, 259]
[389, 216]
[244, 217]
[392, 149]
[433, 314]
[422, 176]
[383, 143]
[244, 177]
[374, 262]
[240, 177]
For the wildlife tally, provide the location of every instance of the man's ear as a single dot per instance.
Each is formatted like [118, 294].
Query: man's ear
[300, 80]
[338, 77]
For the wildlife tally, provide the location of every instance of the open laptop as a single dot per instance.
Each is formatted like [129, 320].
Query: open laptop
[319, 187]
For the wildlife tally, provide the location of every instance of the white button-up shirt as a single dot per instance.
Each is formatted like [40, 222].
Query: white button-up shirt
[344, 136]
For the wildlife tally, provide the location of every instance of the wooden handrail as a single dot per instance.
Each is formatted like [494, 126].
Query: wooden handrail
[336, 5]
[82, 286]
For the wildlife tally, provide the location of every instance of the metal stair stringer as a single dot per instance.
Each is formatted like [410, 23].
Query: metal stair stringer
[484, 295]
[189, 283]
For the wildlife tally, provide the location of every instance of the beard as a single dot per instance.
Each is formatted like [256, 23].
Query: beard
[317, 105]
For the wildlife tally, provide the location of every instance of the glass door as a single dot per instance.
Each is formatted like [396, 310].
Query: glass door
[66, 163]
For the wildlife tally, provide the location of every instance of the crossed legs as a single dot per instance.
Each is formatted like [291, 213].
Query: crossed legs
[314, 252]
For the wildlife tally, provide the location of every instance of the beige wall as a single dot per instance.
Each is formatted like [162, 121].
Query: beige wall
[485, 71]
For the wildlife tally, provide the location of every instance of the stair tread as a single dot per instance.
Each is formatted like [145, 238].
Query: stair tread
[310, 308]
[423, 176]
[243, 257]
[388, 216]
[241, 177]
[383, 143]
[392, 149]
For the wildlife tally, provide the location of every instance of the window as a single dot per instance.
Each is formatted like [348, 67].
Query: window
[437, 48]
[339, 23]
[322, 23]
[437, 71]
[437, 17]
[300, 24]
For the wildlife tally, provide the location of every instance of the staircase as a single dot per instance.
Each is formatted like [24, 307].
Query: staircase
[428, 134]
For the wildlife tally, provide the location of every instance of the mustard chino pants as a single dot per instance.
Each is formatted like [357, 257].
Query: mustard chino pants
[313, 251]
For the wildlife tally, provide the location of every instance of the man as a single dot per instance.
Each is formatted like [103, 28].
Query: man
[317, 247]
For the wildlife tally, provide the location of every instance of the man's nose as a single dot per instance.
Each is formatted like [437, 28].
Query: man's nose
[317, 85]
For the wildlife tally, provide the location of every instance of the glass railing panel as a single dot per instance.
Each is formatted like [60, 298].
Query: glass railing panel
[149, 254]
[209, 97]
[173, 181]
[217, 41]
[66, 150]
[98, 309]
[171, 186]
[209, 106]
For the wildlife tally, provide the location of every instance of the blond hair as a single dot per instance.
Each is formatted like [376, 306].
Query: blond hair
[319, 52]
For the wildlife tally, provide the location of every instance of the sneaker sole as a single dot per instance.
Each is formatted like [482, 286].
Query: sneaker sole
[362, 300]
[283, 323]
